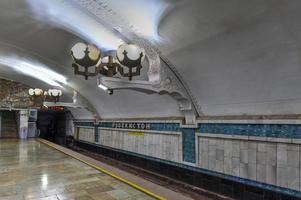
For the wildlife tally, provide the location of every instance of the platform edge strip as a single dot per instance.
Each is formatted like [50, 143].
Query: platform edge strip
[146, 191]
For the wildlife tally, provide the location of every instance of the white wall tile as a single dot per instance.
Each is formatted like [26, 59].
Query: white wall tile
[269, 162]
[164, 146]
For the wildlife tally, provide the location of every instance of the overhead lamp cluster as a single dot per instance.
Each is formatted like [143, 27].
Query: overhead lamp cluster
[35, 92]
[127, 61]
[39, 96]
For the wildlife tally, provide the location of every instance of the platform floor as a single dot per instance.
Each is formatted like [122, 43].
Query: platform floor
[32, 170]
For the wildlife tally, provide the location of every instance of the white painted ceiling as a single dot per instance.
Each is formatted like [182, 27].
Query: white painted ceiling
[236, 56]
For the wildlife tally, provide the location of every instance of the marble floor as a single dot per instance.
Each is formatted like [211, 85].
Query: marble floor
[32, 170]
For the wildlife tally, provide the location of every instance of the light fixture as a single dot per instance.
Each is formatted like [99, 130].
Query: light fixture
[35, 92]
[54, 92]
[88, 56]
[131, 56]
[53, 95]
[108, 66]
[38, 96]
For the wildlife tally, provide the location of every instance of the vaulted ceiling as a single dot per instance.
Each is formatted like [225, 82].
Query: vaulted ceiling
[236, 57]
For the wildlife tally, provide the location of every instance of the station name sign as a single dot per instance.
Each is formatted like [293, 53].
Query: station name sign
[126, 125]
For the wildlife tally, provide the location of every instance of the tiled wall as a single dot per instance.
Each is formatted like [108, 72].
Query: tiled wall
[166, 146]
[86, 134]
[253, 129]
[189, 145]
[267, 162]
[266, 155]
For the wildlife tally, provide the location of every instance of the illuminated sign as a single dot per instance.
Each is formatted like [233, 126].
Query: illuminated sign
[136, 134]
[126, 125]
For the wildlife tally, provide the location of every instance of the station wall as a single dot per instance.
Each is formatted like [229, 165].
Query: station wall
[264, 153]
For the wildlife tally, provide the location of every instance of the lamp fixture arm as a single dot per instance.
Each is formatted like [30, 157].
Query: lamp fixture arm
[85, 73]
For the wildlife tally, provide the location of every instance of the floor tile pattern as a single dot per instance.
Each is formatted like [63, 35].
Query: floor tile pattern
[31, 170]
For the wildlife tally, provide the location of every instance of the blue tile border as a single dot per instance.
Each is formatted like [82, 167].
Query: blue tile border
[208, 172]
[154, 126]
[261, 130]
[105, 124]
[96, 132]
[84, 124]
[188, 135]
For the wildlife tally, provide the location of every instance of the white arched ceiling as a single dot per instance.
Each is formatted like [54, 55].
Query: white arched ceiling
[24, 36]
[236, 56]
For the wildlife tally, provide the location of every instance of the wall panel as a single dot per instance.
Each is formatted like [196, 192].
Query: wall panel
[162, 145]
[275, 163]
[86, 134]
[265, 154]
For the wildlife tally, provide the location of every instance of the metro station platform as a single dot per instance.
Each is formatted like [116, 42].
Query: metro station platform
[37, 169]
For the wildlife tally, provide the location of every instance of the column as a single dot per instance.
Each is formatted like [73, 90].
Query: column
[23, 124]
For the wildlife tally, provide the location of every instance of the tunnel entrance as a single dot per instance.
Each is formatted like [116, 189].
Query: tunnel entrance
[8, 124]
[54, 126]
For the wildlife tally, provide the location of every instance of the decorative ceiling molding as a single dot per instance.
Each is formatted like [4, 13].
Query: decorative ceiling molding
[110, 19]
[169, 85]
[79, 102]
[156, 73]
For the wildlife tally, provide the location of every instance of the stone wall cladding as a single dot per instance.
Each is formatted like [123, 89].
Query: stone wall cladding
[263, 154]
[86, 134]
[159, 145]
[267, 162]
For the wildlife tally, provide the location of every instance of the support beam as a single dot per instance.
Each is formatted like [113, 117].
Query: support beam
[148, 87]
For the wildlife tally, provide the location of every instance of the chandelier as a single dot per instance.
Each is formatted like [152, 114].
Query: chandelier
[53, 95]
[38, 96]
[89, 58]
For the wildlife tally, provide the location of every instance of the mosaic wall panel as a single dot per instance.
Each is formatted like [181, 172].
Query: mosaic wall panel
[164, 146]
[86, 134]
[14, 95]
[188, 145]
[261, 130]
[272, 163]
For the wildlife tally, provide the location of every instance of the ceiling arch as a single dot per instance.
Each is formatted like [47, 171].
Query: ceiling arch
[238, 57]
[51, 45]
[235, 57]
